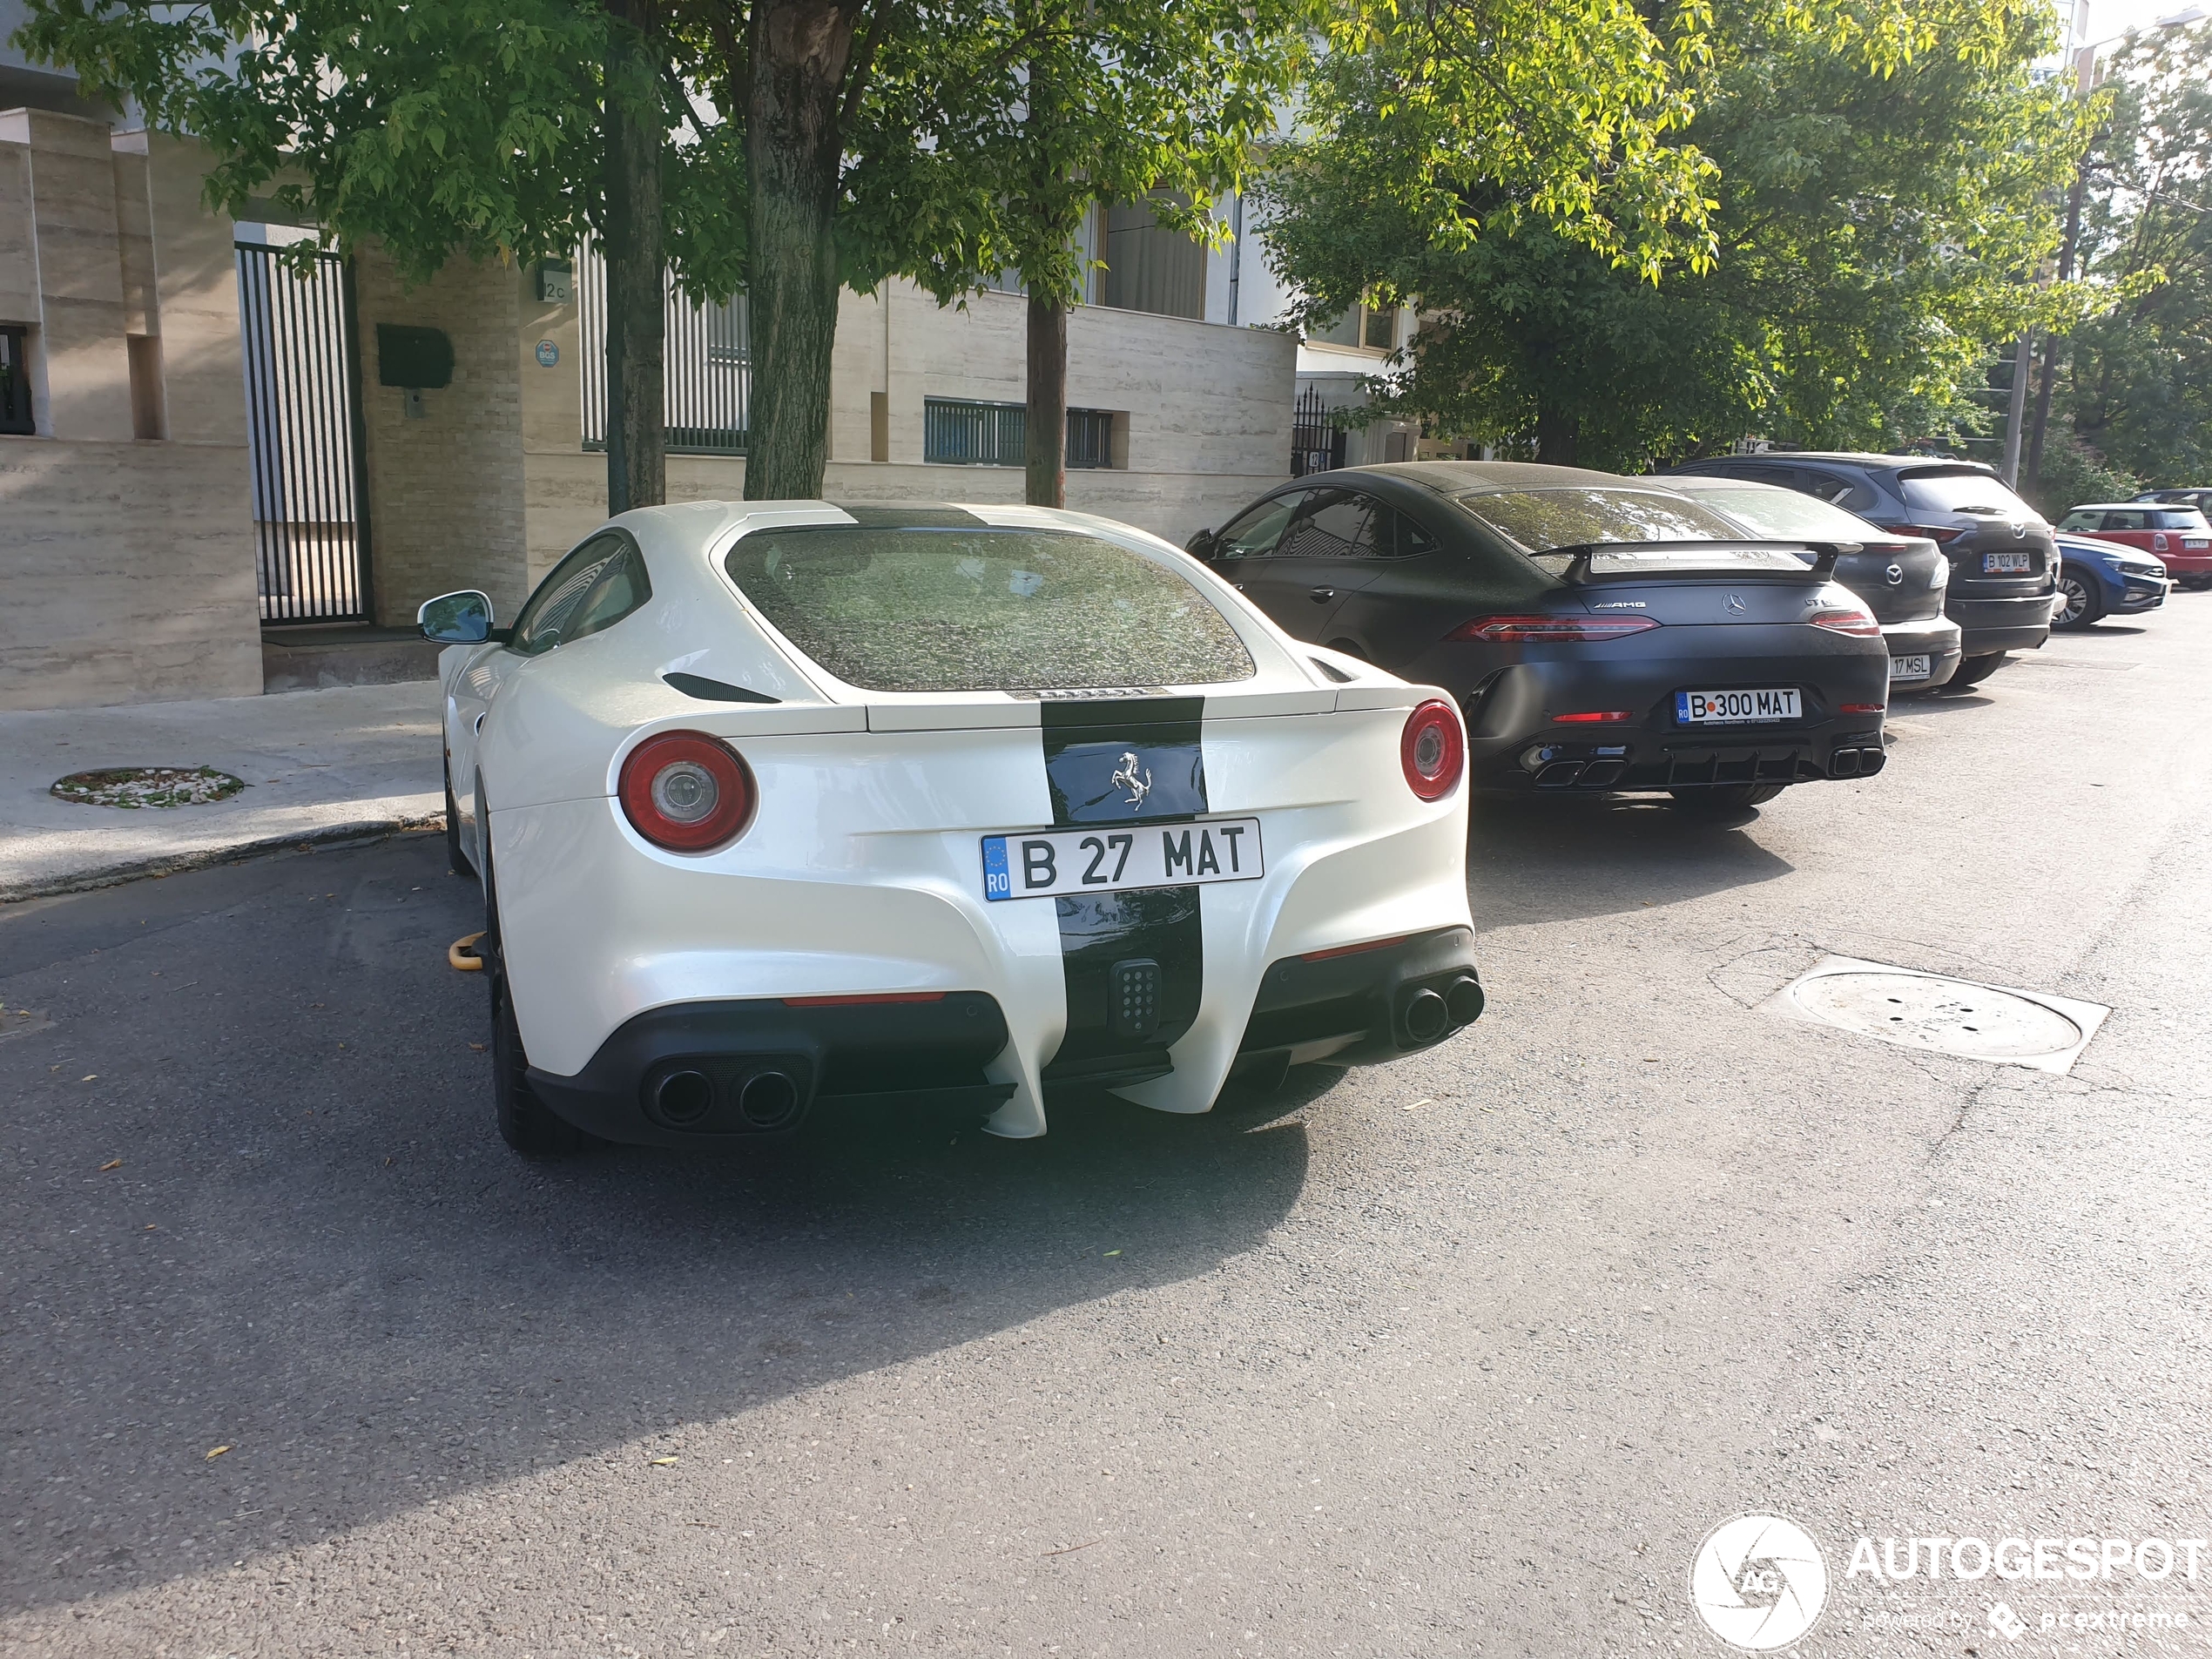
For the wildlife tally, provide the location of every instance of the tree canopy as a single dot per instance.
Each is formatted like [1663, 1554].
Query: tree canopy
[1824, 222]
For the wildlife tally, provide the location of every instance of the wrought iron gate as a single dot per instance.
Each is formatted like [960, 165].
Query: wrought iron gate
[1316, 438]
[303, 431]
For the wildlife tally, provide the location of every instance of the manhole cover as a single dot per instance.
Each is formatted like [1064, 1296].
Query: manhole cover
[148, 786]
[1952, 1017]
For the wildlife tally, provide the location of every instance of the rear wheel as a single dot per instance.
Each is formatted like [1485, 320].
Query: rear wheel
[2084, 600]
[1974, 671]
[1714, 800]
[526, 1123]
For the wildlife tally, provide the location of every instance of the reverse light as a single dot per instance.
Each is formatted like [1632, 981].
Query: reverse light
[687, 791]
[1933, 532]
[1596, 717]
[1847, 619]
[1529, 631]
[1432, 750]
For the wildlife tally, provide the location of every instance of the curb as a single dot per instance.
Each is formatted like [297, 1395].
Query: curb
[200, 858]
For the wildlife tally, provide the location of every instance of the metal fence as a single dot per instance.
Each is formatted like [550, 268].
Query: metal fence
[708, 363]
[1316, 438]
[303, 435]
[960, 432]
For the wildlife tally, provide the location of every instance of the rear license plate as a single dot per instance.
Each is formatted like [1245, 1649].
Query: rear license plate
[1908, 668]
[2193, 543]
[1734, 708]
[2006, 563]
[1047, 863]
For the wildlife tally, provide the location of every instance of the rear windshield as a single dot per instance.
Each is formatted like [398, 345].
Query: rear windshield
[2168, 518]
[1782, 512]
[1962, 491]
[984, 610]
[1538, 521]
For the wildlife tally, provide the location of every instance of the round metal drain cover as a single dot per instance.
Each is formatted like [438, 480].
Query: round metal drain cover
[1947, 1015]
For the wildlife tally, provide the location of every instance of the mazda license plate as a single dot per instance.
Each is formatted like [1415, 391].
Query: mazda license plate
[1734, 708]
[2011, 561]
[1908, 668]
[1043, 864]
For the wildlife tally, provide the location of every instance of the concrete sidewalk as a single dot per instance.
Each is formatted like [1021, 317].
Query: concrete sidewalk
[319, 766]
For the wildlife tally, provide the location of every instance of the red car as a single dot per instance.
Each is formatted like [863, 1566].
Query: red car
[2177, 534]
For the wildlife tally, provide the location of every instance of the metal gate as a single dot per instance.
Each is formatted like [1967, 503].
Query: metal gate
[1316, 438]
[303, 431]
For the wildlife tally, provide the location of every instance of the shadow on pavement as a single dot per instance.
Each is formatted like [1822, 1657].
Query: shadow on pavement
[1547, 858]
[316, 1252]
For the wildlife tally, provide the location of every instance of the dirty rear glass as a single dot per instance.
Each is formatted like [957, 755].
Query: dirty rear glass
[1538, 521]
[1782, 512]
[984, 610]
[1961, 490]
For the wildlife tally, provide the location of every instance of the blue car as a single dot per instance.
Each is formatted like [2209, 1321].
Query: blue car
[2099, 579]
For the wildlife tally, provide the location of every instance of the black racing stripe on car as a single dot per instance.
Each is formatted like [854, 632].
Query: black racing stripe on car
[932, 517]
[1126, 760]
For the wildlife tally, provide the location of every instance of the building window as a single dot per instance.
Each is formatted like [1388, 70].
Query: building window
[1364, 327]
[958, 431]
[1150, 267]
[708, 365]
[15, 383]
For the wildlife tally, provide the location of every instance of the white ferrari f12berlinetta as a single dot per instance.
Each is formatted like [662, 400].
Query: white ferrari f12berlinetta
[781, 806]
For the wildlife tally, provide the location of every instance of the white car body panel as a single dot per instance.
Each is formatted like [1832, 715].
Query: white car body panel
[861, 871]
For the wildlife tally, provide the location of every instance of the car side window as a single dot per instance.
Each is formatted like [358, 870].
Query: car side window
[1398, 535]
[595, 587]
[2123, 521]
[1254, 534]
[1335, 525]
[1836, 489]
[2081, 522]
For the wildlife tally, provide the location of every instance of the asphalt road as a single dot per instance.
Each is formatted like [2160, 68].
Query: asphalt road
[1462, 1356]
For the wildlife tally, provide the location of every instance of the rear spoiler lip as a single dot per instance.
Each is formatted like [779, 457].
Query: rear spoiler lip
[1823, 567]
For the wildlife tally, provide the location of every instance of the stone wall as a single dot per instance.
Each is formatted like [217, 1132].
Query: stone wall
[127, 560]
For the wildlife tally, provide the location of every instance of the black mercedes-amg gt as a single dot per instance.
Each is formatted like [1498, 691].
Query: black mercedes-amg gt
[1600, 633]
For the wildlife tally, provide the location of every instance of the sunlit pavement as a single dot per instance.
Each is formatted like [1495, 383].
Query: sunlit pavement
[1464, 1355]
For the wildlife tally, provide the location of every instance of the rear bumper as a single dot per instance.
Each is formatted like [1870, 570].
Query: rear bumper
[1938, 638]
[1357, 1007]
[2179, 563]
[2019, 622]
[712, 1073]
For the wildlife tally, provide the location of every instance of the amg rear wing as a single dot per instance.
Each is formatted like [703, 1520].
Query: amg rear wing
[1670, 561]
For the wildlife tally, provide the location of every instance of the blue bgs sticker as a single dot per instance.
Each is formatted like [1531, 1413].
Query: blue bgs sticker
[998, 883]
[547, 353]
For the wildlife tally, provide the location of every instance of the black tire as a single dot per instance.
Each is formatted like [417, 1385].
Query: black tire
[2197, 583]
[2085, 601]
[1718, 800]
[1972, 670]
[526, 1123]
[457, 860]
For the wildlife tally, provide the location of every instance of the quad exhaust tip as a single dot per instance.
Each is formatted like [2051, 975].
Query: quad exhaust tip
[685, 1096]
[769, 1099]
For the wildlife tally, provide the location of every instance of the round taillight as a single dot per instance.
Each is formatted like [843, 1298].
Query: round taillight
[1433, 750]
[687, 791]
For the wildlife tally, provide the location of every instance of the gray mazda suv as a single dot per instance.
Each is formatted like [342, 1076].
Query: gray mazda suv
[2004, 564]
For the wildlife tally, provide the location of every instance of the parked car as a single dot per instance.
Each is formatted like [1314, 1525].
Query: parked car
[2180, 536]
[1601, 632]
[2099, 578]
[2200, 499]
[1902, 578]
[2003, 565]
[778, 805]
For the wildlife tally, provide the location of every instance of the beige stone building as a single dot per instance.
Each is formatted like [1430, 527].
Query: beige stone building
[218, 474]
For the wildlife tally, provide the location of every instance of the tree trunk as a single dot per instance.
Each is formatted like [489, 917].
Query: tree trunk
[1557, 433]
[2051, 342]
[799, 52]
[635, 250]
[1045, 425]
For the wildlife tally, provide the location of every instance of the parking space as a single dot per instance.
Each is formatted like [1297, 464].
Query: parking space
[1461, 1355]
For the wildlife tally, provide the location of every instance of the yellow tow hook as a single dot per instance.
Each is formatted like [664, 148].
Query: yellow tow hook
[461, 953]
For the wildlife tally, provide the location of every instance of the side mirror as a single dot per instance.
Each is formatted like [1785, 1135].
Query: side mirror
[1201, 547]
[462, 619]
